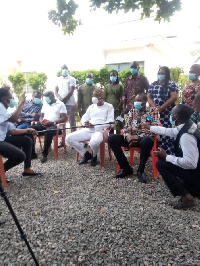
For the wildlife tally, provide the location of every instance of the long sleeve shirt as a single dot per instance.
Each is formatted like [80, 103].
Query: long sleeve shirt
[99, 115]
[188, 145]
[30, 108]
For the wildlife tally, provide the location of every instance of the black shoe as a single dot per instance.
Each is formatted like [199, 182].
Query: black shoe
[87, 156]
[142, 177]
[43, 159]
[123, 173]
[33, 156]
[94, 161]
[8, 180]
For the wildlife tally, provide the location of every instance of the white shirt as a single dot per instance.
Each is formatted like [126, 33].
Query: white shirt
[5, 126]
[64, 84]
[52, 111]
[99, 115]
[187, 143]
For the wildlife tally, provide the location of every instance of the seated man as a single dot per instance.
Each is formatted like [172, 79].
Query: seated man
[53, 112]
[30, 111]
[12, 140]
[196, 115]
[135, 136]
[181, 172]
[99, 112]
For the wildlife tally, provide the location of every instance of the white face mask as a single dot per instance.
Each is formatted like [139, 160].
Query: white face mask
[95, 100]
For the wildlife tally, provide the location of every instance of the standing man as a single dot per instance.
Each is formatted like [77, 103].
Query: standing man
[134, 84]
[64, 91]
[30, 111]
[181, 171]
[85, 92]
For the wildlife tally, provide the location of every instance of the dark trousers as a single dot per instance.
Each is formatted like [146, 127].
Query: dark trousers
[11, 148]
[179, 181]
[48, 136]
[117, 141]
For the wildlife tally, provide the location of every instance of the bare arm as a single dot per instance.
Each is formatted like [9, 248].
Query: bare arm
[171, 100]
[57, 93]
[22, 131]
[70, 93]
[18, 110]
[150, 100]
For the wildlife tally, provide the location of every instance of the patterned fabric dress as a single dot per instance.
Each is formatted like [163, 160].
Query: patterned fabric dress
[160, 94]
[189, 93]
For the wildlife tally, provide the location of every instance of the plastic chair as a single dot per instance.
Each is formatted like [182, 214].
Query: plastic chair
[101, 148]
[2, 174]
[153, 157]
[55, 139]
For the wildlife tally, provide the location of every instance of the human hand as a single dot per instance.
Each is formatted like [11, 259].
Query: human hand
[31, 131]
[160, 154]
[88, 124]
[33, 115]
[135, 141]
[146, 125]
[23, 98]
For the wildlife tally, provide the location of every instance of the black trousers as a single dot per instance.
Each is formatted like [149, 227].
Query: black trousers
[11, 148]
[48, 137]
[179, 181]
[117, 141]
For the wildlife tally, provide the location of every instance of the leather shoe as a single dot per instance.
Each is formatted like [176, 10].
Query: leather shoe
[183, 205]
[123, 173]
[87, 156]
[33, 156]
[142, 177]
[94, 161]
[43, 159]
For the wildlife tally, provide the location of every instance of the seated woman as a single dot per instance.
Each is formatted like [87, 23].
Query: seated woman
[12, 140]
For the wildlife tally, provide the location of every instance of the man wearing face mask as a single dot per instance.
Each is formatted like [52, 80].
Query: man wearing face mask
[53, 112]
[30, 111]
[99, 112]
[193, 87]
[64, 91]
[135, 135]
[85, 92]
[134, 84]
[181, 172]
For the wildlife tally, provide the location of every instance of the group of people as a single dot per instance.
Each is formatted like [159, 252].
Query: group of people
[150, 111]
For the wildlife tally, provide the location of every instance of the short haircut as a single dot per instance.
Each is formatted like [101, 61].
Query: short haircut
[184, 111]
[167, 72]
[143, 96]
[37, 91]
[4, 93]
[197, 66]
[99, 92]
[64, 66]
[48, 94]
[135, 63]
[89, 73]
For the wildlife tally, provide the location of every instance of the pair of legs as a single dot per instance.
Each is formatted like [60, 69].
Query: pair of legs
[71, 116]
[117, 141]
[17, 149]
[48, 137]
[95, 139]
[181, 182]
[23, 125]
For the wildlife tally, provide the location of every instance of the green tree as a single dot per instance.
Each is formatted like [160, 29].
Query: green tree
[18, 81]
[63, 16]
[37, 81]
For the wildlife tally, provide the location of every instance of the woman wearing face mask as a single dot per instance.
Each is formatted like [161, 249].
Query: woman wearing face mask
[193, 87]
[163, 94]
[113, 94]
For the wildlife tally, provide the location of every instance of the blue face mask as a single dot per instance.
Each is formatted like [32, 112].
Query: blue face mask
[48, 100]
[172, 122]
[191, 76]
[36, 100]
[65, 72]
[161, 77]
[134, 71]
[137, 105]
[113, 78]
[12, 103]
[89, 81]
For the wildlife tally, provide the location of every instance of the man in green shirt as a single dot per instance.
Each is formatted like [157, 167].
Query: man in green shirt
[85, 92]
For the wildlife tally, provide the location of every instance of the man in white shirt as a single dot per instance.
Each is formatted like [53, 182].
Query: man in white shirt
[99, 112]
[181, 172]
[53, 112]
[64, 91]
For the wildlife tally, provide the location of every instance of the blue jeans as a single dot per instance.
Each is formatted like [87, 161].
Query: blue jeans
[23, 125]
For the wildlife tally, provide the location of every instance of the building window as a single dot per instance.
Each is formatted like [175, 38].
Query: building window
[120, 67]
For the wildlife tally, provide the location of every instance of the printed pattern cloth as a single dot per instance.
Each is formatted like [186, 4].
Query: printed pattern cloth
[189, 93]
[160, 94]
[196, 118]
[135, 118]
[29, 108]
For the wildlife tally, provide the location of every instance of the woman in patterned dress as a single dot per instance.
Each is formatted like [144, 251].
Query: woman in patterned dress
[163, 94]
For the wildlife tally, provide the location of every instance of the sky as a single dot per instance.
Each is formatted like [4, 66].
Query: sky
[28, 35]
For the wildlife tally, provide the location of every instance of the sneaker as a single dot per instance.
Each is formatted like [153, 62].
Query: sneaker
[94, 161]
[87, 156]
[123, 173]
[43, 159]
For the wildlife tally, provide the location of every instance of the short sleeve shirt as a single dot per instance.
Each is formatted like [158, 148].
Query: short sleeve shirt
[5, 126]
[52, 112]
[64, 84]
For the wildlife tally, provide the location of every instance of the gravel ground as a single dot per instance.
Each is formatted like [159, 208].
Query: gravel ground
[81, 215]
